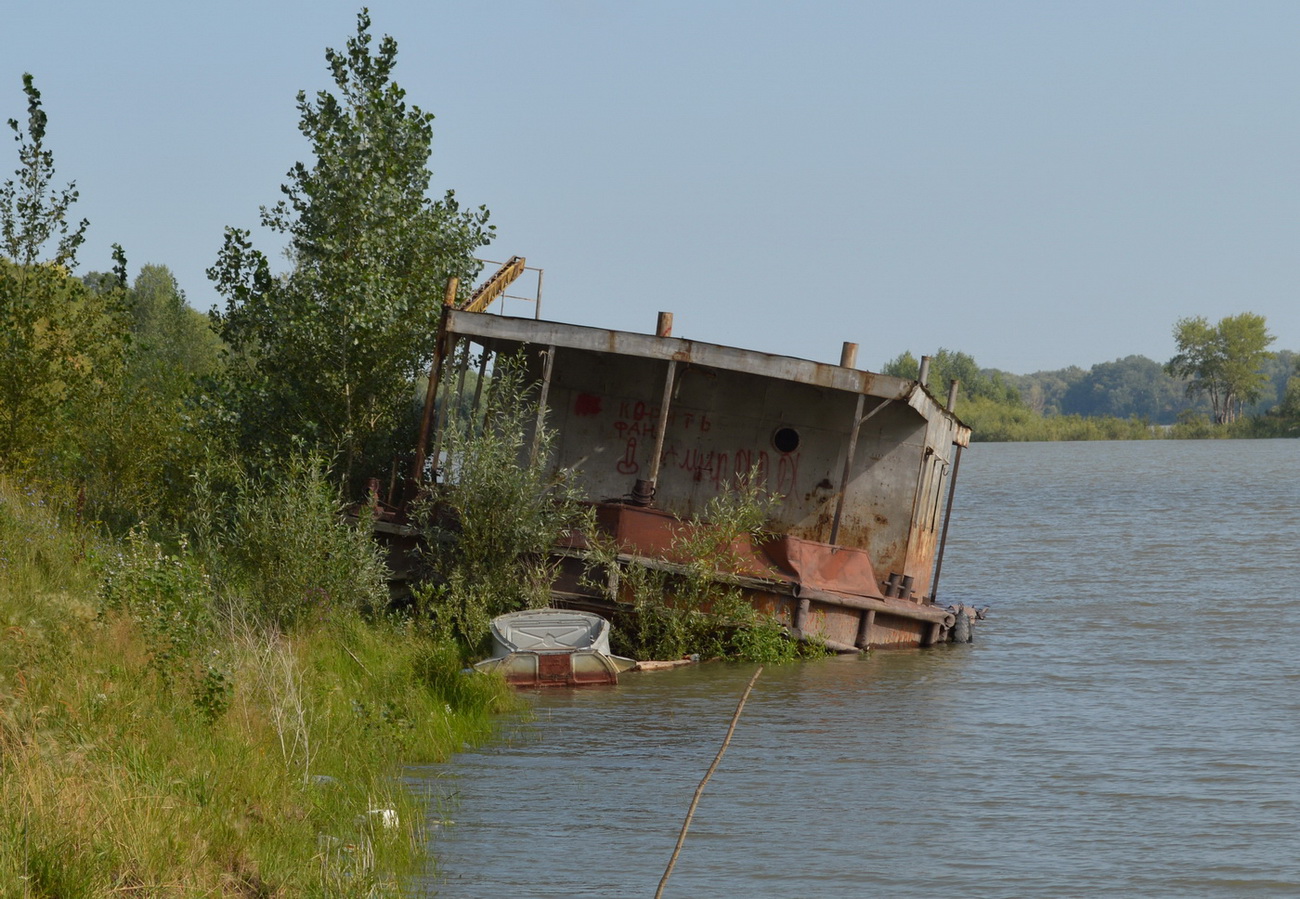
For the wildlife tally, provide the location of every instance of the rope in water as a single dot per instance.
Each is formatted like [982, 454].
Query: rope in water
[690, 813]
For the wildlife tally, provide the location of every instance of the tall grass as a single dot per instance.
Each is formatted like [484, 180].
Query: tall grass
[148, 751]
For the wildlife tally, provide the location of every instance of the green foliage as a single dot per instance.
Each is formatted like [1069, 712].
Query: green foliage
[950, 365]
[1278, 371]
[259, 780]
[167, 595]
[171, 340]
[1132, 398]
[1044, 392]
[328, 352]
[32, 212]
[1224, 361]
[61, 344]
[151, 429]
[491, 528]
[61, 351]
[904, 365]
[696, 606]
[993, 422]
[1132, 387]
[47, 560]
[283, 554]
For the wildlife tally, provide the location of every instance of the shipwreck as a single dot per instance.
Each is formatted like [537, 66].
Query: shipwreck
[861, 466]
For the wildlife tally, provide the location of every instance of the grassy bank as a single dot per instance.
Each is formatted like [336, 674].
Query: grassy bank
[157, 739]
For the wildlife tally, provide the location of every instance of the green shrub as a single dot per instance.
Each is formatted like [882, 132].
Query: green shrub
[284, 552]
[696, 606]
[167, 594]
[490, 530]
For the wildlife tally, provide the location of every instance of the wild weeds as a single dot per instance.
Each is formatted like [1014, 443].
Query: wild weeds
[284, 553]
[491, 527]
[695, 605]
[167, 594]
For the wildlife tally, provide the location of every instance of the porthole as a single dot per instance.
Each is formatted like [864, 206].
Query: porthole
[786, 440]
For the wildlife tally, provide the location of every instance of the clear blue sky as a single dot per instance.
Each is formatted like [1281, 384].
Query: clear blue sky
[1037, 184]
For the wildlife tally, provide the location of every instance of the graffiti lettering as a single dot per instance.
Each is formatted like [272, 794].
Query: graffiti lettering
[711, 465]
[634, 429]
[748, 462]
[787, 473]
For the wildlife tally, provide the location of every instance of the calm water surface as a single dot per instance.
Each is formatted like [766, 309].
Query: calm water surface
[1126, 723]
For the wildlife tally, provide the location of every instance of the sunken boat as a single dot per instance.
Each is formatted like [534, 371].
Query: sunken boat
[861, 467]
[553, 648]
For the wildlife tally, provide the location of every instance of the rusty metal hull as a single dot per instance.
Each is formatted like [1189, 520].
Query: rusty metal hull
[817, 591]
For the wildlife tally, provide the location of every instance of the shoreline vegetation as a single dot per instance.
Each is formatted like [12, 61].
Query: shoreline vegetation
[206, 687]
[160, 735]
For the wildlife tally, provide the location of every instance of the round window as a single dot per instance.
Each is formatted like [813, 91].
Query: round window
[786, 440]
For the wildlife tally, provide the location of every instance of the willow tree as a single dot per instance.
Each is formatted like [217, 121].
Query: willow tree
[1224, 361]
[326, 353]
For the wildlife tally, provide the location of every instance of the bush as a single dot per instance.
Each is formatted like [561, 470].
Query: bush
[284, 552]
[697, 606]
[491, 529]
[167, 594]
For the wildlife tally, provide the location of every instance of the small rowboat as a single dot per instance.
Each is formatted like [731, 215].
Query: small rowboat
[553, 648]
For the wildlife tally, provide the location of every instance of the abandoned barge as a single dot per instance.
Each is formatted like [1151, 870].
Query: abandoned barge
[861, 466]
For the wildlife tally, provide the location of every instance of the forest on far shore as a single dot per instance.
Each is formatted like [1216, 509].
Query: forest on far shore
[1224, 382]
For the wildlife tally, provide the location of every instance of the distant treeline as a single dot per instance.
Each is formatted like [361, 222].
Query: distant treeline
[1131, 398]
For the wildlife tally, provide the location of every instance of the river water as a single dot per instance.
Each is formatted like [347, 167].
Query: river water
[1127, 721]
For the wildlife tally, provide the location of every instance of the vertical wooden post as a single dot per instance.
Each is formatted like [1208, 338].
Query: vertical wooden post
[443, 410]
[663, 421]
[435, 377]
[541, 404]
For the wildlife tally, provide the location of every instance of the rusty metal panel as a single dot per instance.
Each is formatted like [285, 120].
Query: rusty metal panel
[933, 479]
[648, 346]
[721, 426]
[724, 424]
[554, 667]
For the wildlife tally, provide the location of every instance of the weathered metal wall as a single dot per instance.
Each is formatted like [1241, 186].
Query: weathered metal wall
[787, 420]
[933, 482]
[722, 425]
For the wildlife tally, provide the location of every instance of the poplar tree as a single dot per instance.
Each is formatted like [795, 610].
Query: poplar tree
[61, 344]
[326, 353]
